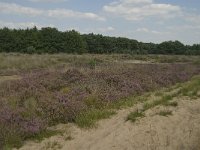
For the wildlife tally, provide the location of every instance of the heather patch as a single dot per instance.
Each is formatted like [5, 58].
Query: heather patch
[44, 98]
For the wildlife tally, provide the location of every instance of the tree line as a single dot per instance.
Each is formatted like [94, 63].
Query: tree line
[50, 40]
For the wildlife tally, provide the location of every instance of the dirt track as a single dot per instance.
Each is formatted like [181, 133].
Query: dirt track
[180, 131]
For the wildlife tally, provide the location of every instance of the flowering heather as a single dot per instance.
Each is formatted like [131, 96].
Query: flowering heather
[44, 98]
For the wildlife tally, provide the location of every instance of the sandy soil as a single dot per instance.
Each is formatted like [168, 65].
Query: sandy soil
[180, 131]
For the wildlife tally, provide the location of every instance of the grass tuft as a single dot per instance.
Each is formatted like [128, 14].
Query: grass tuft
[52, 145]
[164, 100]
[173, 104]
[165, 113]
[44, 134]
[192, 88]
[88, 119]
[68, 138]
[133, 116]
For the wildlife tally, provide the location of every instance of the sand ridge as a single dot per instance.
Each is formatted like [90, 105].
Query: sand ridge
[180, 131]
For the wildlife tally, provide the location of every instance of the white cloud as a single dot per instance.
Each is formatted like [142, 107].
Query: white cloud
[101, 30]
[22, 25]
[64, 13]
[52, 1]
[146, 30]
[184, 28]
[191, 17]
[142, 30]
[140, 9]
[12, 8]
[135, 1]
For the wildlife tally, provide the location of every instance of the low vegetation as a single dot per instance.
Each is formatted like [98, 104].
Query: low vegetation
[89, 118]
[80, 92]
[189, 89]
[165, 113]
[52, 145]
[13, 64]
[134, 115]
[174, 104]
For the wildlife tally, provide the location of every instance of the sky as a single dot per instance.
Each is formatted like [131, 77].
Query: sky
[144, 20]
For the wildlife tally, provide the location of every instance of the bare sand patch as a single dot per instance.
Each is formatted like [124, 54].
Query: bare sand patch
[180, 131]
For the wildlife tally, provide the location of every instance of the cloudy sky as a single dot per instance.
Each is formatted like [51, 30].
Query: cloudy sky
[144, 20]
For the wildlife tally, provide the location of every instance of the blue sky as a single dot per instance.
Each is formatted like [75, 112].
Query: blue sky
[143, 20]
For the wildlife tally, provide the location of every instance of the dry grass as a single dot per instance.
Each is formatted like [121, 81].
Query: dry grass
[12, 63]
[10, 78]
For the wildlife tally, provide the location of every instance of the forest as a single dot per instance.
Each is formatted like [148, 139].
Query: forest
[51, 40]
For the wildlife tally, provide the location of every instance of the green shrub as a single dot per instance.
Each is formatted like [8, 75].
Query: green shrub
[133, 116]
[89, 118]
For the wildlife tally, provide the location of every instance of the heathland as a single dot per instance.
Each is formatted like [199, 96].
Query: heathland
[39, 92]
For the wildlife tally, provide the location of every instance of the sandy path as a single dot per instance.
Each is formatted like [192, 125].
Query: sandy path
[181, 131]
